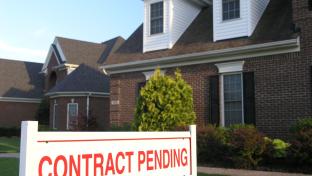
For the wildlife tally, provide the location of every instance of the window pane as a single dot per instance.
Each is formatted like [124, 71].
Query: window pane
[157, 18]
[233, 107]
[73, 110]
[231, 9]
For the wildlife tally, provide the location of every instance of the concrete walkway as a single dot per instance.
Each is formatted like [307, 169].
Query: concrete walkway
[9, 155]
[238, 172]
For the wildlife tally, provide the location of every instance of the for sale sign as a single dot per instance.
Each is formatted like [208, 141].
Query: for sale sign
[107, 153]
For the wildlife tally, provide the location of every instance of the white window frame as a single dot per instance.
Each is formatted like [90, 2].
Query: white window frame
[68, 104]
[222, 105]
[150, 17]
[230, 68]
[232, 19]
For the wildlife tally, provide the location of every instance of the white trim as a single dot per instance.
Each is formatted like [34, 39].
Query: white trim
[222, 115]
[20, 100]
[149, 74]
[230, 54]
[59, 49]
[230, 67]
[54, 114]
[68, 112]
[76, 94]
[48, 58]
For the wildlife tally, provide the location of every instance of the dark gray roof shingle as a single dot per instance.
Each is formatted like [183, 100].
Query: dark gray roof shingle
[19, 79]
[93, 54]
[83, 79]
[275, 25]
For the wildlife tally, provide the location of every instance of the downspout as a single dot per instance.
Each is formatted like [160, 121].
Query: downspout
[88, 104]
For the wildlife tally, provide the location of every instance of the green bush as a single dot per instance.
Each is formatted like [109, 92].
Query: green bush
[165, 103]
[211, 145]
[301, 125]
[248, 146]
[301, 148]
[43, 112]
[276, 148]
[10, 132]
[122, 127]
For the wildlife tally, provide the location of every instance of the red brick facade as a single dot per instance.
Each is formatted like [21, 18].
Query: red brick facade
[282, 84]
[13, 113]
[98, 109]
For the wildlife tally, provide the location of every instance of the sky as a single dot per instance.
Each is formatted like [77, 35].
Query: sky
[28, 27]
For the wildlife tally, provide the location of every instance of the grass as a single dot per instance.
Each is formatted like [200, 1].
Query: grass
[9, 145]
[9, 167]
[201, 174]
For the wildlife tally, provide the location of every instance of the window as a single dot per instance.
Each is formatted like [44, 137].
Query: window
[73, 109]
[233, 99]
[230, 9]
[157, 18]
[72, 115]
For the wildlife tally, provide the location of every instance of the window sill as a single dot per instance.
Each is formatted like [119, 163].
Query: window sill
[231, 20]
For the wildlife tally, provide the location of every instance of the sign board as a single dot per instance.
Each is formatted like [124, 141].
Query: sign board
[107, 153]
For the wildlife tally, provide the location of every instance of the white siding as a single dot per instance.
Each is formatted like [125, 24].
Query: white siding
[178, 15]
[251, 12]
[231, 28]
[257, 8]
[156, 41]
[183, 15]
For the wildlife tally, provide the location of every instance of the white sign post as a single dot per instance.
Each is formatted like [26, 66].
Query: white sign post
[107, 153]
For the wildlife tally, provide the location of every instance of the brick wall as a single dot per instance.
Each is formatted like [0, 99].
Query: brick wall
[282, 84]
[98, 107]
[13, 113]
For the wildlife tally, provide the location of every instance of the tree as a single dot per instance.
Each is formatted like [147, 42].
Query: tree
[43, 112]
[165, 103]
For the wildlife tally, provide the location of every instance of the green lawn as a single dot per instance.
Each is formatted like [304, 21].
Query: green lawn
[9, 145]
[9, 167]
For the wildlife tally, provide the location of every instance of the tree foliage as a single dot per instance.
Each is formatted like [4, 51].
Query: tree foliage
[43, 112]
[165, 103]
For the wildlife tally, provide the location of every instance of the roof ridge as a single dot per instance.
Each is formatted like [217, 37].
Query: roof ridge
[14, 60]
[77, 40]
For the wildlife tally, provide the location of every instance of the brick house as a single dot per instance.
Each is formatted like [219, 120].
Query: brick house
[248, 61]
[74, 85]
[70, 79]
[21, 90]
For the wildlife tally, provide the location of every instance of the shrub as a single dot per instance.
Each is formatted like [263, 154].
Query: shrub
[301, 149]
[247, 145]
[211, 145]
[276, 148]
[84, 123]
[122, 127]
[301, 125]
[43, 112]
[10, 132]
[165, 103]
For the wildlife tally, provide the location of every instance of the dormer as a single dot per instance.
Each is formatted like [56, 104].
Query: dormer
[166, 20]
[236, 18]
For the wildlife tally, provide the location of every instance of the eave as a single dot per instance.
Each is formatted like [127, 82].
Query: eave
[222, 55]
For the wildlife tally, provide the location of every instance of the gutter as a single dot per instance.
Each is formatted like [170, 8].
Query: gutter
[20, 100]
[76, 94]
[223, 55]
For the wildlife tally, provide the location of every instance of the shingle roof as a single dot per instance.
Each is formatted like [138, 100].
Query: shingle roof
[93, 54]
[274, 25]
[83, 79]
[20, 79]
